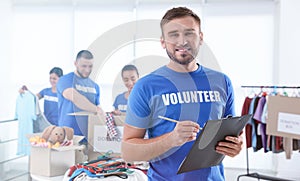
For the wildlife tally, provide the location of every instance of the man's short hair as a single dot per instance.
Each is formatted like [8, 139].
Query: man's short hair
[179, 12]
[84, 54]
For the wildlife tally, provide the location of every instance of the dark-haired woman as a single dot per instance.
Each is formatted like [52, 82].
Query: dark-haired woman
[50, 96]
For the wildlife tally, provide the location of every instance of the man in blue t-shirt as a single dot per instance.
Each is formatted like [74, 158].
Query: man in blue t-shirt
[77, 92]
[182, 90]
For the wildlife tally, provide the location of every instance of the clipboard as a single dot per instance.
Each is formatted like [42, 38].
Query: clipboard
[202, 153]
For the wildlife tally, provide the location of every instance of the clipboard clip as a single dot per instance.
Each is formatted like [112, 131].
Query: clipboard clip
[228, 116]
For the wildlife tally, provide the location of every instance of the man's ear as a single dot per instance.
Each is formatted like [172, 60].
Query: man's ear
[201, 38]
[163, 42]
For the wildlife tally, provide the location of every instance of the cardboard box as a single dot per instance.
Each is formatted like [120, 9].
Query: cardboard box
[98, 142]
[52, 161]
[283, 116]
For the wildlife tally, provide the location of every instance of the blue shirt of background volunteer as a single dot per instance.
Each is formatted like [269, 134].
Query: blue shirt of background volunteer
[150, 100]
[121, 102]
[50, 105]
[85, 86]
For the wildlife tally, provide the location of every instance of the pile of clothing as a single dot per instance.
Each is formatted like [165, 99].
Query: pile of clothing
[106, 166]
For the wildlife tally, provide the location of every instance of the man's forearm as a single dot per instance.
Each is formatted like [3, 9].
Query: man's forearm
[83, 103]
[140, 149]
[79, 100]
[136, 148]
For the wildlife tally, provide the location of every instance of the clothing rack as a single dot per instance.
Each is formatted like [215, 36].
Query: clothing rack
[273, 86]
[257, 175]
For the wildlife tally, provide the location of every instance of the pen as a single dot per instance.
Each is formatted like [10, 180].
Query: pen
[170, 119]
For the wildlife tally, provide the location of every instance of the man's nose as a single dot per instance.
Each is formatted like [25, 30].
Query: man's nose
[88, 69]
[181, 40]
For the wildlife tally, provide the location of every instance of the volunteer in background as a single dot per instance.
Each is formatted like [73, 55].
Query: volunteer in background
[129, 75]
[76, 93]
[50, 96]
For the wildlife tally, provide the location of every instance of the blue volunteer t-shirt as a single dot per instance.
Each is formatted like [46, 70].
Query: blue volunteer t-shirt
[85, 86]
[50, 105]
[200, 96]
[121, 102]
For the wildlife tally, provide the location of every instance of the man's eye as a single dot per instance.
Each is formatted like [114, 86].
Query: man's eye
[174, 35]
[189, 33]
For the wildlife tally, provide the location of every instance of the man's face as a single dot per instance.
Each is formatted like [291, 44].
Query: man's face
[182, 39]
[84, 67]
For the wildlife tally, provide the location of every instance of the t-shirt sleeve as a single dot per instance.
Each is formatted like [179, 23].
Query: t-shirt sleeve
[230, 108]
[138, 109]
[42, 93]
[64, 83]
[115, 104]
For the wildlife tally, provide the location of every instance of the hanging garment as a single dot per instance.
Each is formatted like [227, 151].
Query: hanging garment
[26, 114]
[261, 129]
[41, 121]
[296, 145]
[277, 144]
[256, 139]
[248, 128]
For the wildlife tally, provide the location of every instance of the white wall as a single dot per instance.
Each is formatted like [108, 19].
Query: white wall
[289, 41]
[241, 38]
[288, 71]
[5, 57]
[5, 37]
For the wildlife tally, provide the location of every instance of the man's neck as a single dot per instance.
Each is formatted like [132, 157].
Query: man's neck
[191, 67]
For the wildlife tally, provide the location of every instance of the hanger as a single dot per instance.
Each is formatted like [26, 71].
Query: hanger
[262, 92]
[284, 92]
[298, 92]
[294, 93]
[252, 93]
[274, 92]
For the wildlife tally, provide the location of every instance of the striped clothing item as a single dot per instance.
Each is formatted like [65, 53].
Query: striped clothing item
[111, 125]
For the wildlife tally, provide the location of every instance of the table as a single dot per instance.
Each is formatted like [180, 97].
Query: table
[44, 178]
